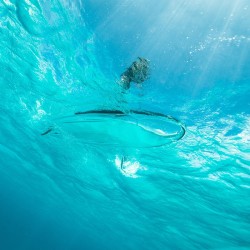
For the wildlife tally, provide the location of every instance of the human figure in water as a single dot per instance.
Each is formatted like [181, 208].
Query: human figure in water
[137, 72]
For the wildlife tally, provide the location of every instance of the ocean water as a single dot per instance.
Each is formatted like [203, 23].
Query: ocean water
[61, 57]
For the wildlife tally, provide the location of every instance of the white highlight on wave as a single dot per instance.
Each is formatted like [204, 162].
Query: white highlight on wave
[235, 40]
[39, 111]
[217, 151]
[128, 168]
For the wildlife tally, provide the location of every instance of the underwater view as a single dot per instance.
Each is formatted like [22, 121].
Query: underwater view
[125, 124]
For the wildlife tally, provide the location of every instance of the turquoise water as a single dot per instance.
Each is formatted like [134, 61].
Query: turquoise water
[62, 57]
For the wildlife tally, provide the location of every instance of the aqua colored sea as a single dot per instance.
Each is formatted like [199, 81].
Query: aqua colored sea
[59, 192]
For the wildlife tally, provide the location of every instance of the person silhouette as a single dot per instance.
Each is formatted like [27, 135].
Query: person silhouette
[137, 72]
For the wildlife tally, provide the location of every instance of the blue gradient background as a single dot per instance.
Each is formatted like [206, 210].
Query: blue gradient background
[59, 57]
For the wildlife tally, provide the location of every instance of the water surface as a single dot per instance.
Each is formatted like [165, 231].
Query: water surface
[62, 57]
